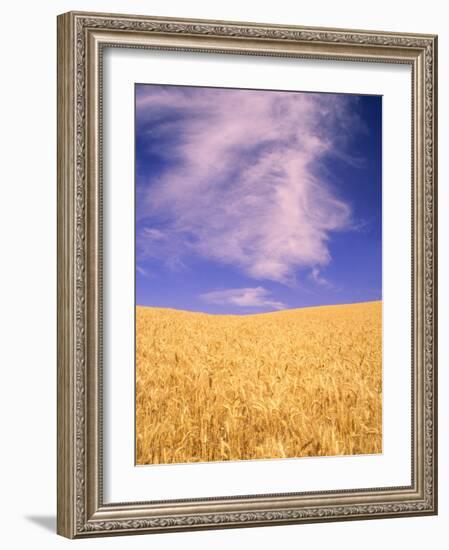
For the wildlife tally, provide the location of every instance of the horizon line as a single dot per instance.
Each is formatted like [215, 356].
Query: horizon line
[260, 312]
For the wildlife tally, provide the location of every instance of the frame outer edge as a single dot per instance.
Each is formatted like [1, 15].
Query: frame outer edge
[76, 425]
[435, 269]
[126, 17]
[65, 280]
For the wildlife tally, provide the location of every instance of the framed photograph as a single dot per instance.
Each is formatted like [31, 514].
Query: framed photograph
[246, 274]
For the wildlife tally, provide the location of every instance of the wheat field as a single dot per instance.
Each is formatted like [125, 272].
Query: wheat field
[293, 383]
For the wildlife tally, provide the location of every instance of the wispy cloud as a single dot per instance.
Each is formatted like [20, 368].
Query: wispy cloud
[243, 297]
[317, 278]
[242, 183]
[141, 271]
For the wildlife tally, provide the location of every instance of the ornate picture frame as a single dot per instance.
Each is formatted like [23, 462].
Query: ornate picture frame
[82, 39]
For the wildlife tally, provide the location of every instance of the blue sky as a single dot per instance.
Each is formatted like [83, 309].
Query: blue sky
[250, 201]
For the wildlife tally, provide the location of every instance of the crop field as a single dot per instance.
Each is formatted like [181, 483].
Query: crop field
[293, 383]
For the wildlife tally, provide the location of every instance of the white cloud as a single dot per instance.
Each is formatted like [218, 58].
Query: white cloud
[141, 271]
[244, 183]
[242, 297]
[317, 278]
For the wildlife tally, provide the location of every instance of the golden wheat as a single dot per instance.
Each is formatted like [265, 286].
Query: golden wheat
[304, 382]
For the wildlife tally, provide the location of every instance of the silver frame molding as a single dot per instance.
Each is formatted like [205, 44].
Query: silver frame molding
[81, 39]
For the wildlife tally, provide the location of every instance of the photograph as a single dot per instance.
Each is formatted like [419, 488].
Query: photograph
[246, 273]
[258, 274]
[223, 241]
